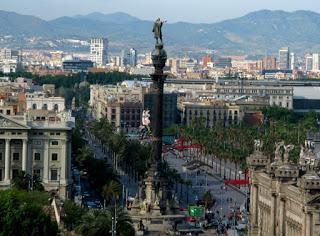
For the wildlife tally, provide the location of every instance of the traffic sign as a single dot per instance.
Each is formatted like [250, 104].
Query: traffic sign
[196, 211]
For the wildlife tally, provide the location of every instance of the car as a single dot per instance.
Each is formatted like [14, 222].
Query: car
[213, 224]
[91, 205]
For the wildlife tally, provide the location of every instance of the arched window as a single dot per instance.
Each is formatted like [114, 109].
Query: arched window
[34, 106]
[55, 107]
[45, 107]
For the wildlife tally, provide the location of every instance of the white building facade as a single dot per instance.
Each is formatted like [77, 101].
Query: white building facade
[99, 51]
[41, 101]
[316, 62]
[40, 147]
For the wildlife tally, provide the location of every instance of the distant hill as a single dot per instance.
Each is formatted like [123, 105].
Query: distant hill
[116, 18]
[257, 32]
[15, 24]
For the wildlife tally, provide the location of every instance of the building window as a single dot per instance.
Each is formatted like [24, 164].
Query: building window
[45, 107]
[15, 173]
[54, 174]
[1, 178]
[16, 156]
[37, 173]
[55, 107]
[0, 156]
[37, 156]
[8, 112]
[34, 106]
[54, 156]
[55, 143]
[37, 142]
[57, 133]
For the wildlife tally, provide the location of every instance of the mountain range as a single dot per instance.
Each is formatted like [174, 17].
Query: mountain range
[257, 32]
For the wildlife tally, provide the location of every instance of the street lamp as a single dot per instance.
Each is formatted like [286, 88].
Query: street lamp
[246, 194]
[221, 208]
[233, 207]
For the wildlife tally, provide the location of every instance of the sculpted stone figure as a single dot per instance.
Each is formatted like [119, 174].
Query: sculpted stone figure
[157, 30]
[277, 153]
[287, 149]
[146, 118]
[301, 155]
[258, 144]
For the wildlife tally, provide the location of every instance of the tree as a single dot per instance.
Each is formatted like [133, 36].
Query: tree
[124, 223]
[110, 191]
[84, 157]
[117, 143]
[99, 173]
[208, 199]
[72, 214]
[24, 181]
[21, 215]
[95, 222]
[99, 222]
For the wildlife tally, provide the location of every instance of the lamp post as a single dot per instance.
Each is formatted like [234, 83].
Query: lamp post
[233, 207]
[221, 204]
[59, 181]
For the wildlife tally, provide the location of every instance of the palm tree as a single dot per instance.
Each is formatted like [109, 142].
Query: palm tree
[99, 222]
[22, 181]
[208, 199]
[95, 222]
[124, 225]
[110, 191]
[117, 143]
[84, 156]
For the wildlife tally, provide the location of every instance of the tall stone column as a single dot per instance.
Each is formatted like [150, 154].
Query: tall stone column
[69, 160]
[46, 161]
[63, 160]
[254, 210]
[273, 213]
[309, 224]
[281, 226]
[24, 154]
[7, 160]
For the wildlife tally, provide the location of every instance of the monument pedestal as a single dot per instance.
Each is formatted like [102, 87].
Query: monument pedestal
[154, 198]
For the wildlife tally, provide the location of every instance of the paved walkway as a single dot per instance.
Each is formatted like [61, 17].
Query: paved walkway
[203, 182]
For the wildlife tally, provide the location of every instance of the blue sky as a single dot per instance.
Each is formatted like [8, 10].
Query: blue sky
[173, 10]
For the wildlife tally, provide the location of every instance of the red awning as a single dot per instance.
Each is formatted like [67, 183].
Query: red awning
[236, 182]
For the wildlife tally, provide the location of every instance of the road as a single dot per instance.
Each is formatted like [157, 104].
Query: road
[206, 180]
[130, 187]
[214, 184]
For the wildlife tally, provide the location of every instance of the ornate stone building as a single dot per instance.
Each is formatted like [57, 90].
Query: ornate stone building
[38, 143]
[211, 111]
[285, 197]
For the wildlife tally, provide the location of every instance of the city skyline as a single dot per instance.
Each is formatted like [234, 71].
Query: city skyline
[203, 11]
